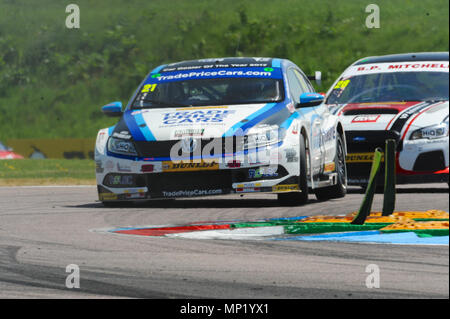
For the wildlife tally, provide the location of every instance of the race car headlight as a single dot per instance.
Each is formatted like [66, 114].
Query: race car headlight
[431, 132]
[120, 146]
[262, 136]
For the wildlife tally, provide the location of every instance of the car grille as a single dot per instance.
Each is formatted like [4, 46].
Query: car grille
[430, 161]
[368, 141]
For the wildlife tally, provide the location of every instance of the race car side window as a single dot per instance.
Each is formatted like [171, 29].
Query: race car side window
[295, 87]
[306, 85]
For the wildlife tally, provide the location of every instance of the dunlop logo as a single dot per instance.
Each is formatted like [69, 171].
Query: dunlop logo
[361, 158]
[285, 188]
[189, 166]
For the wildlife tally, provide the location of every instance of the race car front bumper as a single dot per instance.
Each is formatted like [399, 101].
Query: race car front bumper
[120, 179]
[417, 161]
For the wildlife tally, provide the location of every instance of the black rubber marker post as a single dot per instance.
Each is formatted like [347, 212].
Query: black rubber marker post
[366, 205]
[389, 178]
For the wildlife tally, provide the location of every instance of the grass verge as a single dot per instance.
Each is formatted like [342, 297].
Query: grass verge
[47, 172]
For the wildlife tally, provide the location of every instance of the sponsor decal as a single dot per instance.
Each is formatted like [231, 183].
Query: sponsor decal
[123, 135]
[119, 180]
[260, 172]
[189, 166]
[196, 116]
[330, 167]
[424, 66]
[406, 115]
[248, 190]
[248, 185]
[329, 135]
[218, 63]
[107, 196]
[361, 158]
[366, 118]
[214, 73]
[190, 193]
[291, 155]
[285, 188]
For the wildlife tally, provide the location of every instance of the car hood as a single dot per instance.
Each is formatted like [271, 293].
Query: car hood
[394, 115]
[205, 122]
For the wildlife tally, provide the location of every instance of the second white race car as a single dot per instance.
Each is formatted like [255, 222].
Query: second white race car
[402, 97]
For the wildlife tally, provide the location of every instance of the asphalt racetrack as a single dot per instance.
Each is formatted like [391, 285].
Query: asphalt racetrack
[44, 229]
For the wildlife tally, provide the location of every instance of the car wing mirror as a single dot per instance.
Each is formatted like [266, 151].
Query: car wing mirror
[113, 109]
[310, 99]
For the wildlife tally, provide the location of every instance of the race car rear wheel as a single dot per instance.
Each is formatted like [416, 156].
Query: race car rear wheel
[299, 198]
[340, 189]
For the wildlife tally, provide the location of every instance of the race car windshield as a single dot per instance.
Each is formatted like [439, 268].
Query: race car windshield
[391, 87]
[206, 92]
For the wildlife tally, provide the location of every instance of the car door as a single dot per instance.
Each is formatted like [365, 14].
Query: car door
[310, 118]
[327, 127]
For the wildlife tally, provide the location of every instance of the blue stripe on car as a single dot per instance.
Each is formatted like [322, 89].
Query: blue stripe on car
[133, 127]
[254, 118]
[144, 128]
[276, 63]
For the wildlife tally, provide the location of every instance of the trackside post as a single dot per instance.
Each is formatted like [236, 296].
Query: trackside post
[389, 178]
[366, 205]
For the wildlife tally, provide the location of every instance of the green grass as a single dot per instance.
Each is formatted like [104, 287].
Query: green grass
[53, 80]
[46, 171]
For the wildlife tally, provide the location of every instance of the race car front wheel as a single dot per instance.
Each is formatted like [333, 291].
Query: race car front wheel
[340, 189]
[299, 198]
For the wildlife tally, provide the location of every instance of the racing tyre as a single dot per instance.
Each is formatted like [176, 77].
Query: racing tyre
[299, 198]
[340, 189]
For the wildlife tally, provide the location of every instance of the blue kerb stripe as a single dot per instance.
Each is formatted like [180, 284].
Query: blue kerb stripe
[144, 128]
[133, 127]
[287, 218]
[276, 63]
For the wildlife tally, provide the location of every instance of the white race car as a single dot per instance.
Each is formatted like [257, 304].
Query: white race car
[219, 126]
[402, 97]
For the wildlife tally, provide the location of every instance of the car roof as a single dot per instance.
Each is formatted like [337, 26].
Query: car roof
[222, 63]
[405, 57]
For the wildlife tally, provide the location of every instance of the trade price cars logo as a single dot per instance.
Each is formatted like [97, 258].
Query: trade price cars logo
[197, 116]
[267, 72]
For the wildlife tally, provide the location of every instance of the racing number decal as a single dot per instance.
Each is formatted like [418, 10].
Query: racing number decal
[148, 88]
[342, 84]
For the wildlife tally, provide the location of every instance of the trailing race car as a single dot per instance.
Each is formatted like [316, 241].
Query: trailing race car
[7, 153]
[402, 97]
[220, 126]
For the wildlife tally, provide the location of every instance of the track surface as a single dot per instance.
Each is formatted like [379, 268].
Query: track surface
[44, 229]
